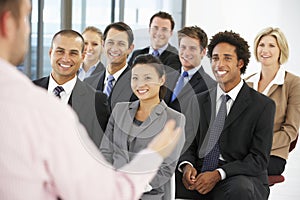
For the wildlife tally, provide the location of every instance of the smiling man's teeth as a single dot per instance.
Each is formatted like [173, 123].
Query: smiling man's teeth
[114, 54]
[221, 72]
[89, 54]
[65, 66]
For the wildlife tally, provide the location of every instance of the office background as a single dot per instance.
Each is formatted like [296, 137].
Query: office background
[246, 17]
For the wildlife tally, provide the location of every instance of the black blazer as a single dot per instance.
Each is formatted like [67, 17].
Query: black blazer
[94, 116]
[169, 57]
[199, 82]
[246, 139]
[121, 92]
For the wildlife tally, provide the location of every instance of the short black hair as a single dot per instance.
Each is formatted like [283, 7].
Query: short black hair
[163, 15]
[120, 26]
[241, 46]
[69, 32]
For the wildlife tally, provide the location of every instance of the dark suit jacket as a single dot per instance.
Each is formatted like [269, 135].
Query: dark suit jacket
[94, 116]
[200, 82]
[121, 91]
[169, 57]
[246, 139]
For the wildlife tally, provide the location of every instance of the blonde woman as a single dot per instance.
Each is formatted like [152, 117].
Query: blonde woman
[271, 51]
[93, 42]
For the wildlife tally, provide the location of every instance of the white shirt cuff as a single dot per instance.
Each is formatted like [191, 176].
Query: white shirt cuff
[182, 163]
[222, 173]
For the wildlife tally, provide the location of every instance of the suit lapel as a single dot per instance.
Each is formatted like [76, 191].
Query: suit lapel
[147, 129]
[193, 84]
[209, 105]
[77, 100]
[44, 82]
[121, 85]
[100, 85]
[272, 89]
[240, 104]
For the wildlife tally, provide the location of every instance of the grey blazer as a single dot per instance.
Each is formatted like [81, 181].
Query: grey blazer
[123, 139]
[82, 100]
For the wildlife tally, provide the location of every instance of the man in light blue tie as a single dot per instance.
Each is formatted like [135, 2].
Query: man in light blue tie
[115, 80]
[192, 48]
[191, 79]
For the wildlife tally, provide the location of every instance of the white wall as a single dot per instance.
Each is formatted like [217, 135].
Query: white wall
[248, 17]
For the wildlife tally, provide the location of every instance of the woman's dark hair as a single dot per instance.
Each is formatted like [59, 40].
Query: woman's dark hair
[156, 64]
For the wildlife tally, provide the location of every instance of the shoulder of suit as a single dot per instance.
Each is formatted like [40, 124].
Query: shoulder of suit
[172, 49]
[248, 77]
[142, 50]
[292, 77]
[40, 79]
[121, 105]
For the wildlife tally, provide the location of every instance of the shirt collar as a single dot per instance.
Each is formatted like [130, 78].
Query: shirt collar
[115, 75]
[68, 86]
[160, 50]
[278, 79]
[232, 93]
[191, 72]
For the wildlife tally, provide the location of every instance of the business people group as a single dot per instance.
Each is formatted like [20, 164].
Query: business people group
[56, 149]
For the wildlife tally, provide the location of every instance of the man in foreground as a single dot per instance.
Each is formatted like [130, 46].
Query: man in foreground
[41, 158]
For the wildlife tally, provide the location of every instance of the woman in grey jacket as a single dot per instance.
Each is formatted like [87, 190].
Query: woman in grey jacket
[133, 125]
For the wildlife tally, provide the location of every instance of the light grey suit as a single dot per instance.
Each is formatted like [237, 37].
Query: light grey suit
[82, 100]
[123, 139]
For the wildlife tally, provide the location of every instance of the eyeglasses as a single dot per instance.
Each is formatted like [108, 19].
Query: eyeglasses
[156, 29]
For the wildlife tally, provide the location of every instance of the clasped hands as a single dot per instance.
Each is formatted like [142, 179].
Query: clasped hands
[202, 182]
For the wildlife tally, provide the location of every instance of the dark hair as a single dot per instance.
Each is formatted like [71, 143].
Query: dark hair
[71, 33]
[13, 6]
[194, 32]
[163, 15]
[156, 64]
[241, 46]
[120, 26]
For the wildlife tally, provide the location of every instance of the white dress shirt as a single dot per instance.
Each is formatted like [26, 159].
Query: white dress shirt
[115, 75]
[68, 88]
[278, 80]
[233, 95]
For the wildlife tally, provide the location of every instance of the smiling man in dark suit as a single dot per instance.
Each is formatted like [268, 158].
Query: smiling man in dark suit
[66, 55]
[244, 143]
[118, 44]
[192, 48]
[161, 28]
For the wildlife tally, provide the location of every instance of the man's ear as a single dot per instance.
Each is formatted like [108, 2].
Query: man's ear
[50, 51]
[6, 23]
[240, 63]
[131, 48]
